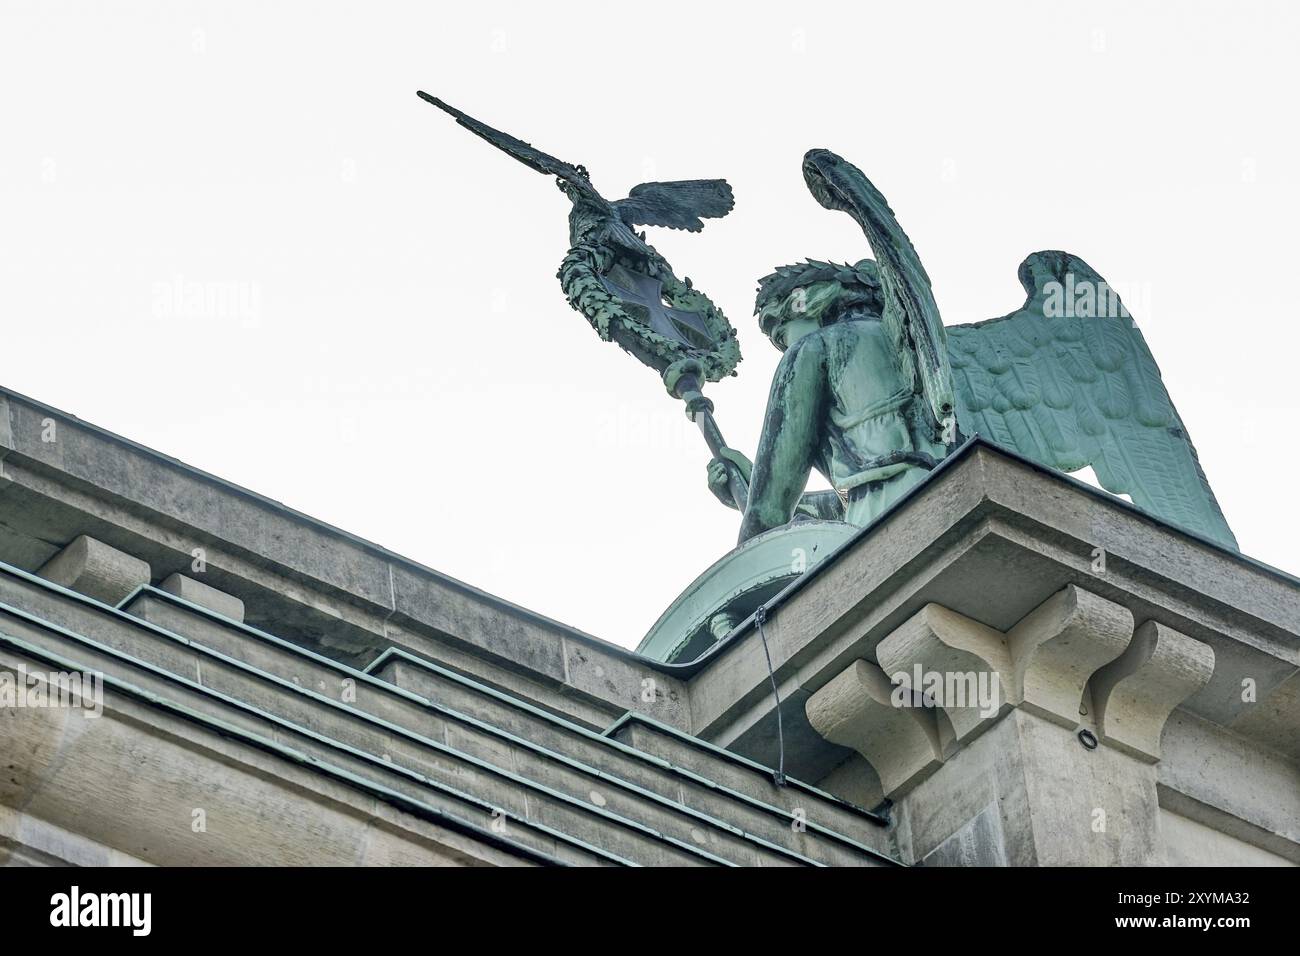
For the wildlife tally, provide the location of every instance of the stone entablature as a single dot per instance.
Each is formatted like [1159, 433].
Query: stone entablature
[1180, 658]
[61, 478]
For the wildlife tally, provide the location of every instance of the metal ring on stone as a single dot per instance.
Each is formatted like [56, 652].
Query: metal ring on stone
[1088, 739]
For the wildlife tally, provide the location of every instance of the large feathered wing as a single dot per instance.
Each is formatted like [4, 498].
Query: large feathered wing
[677, 205]
[911, 316]
[1068, 381]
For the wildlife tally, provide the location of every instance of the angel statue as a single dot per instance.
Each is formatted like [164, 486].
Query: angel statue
[872, 390]
[870, 382]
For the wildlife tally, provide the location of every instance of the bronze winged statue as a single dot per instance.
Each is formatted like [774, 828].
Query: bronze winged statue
[872, 390]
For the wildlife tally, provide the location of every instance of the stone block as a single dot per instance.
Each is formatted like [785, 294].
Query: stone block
[96, 570]
[204, 595]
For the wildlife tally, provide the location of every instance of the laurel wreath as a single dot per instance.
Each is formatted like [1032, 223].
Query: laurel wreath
[580, 276]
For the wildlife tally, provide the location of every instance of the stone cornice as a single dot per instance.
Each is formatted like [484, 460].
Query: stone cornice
[346, 596]
[989, 537]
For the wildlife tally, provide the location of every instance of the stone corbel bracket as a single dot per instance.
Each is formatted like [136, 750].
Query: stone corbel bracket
[1059, 645]
[100, 571]
[971, 661]
[1074, 653]
[855, 710]
[1135, 694]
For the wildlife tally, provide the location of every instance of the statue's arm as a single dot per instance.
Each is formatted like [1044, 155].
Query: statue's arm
[791, 431]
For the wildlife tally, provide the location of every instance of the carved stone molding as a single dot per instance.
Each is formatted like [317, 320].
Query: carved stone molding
[1135, 694]
[1059, 645]
[937, 640]
[855, 709]
[1075, 653]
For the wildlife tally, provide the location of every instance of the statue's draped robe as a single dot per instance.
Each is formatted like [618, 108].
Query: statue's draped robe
[839, 402]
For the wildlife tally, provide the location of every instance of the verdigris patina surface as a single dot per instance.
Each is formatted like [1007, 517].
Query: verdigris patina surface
[872, 390]
[625, 288]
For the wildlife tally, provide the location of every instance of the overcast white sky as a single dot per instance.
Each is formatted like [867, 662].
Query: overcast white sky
[397, 357]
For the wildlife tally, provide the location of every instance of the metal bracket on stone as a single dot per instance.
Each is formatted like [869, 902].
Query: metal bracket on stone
[96, 570]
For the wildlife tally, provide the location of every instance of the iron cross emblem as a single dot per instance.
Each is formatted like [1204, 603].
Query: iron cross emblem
[647, 292]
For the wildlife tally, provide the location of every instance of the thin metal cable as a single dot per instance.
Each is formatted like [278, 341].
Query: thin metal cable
[760, 615]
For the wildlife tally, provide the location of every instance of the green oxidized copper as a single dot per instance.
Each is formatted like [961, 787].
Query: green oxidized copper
[870, 381]
[1067, 380]
[619, 282]
[872, 390]
[626, 289]
[599, 255]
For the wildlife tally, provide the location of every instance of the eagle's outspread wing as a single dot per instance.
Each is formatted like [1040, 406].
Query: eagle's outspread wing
[677, 205]
[1068, 380]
